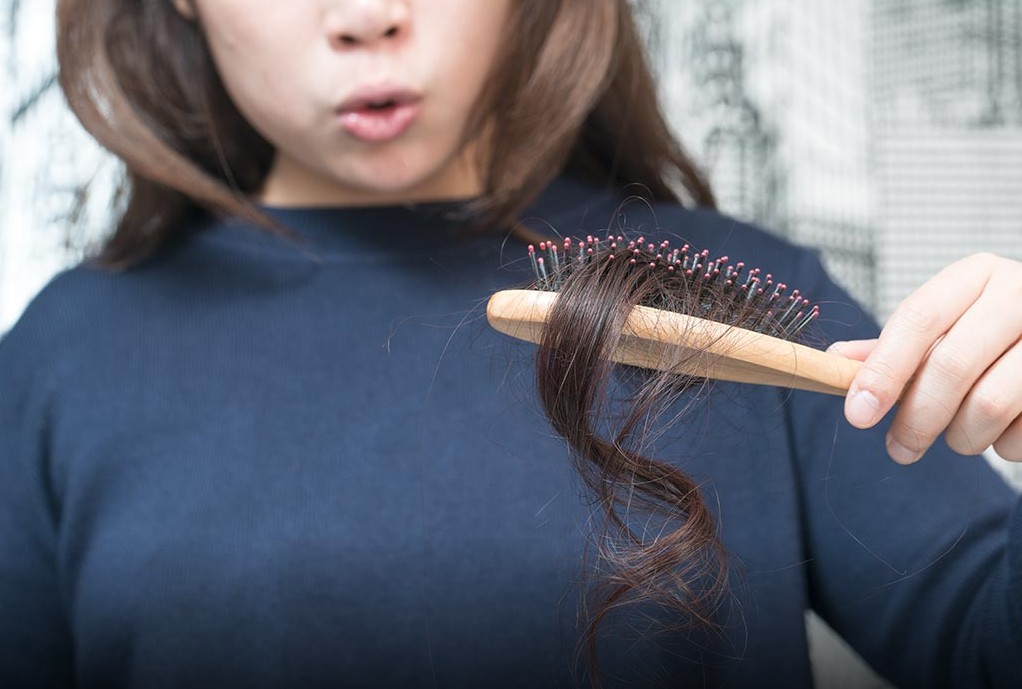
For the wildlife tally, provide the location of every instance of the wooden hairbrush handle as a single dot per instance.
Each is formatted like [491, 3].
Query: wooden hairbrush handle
[665, 340]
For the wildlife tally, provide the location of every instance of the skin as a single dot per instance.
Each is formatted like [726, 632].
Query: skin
[288, 65]
[951, 352]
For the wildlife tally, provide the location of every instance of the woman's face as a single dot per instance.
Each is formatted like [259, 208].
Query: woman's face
[365, 101]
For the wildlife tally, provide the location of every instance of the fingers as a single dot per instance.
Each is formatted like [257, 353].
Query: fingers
[1009, 445]
[948, 375]
[914, 327]
[952, 355]
[991, 410]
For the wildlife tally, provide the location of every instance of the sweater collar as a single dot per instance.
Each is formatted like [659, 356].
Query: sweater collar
[400, 229]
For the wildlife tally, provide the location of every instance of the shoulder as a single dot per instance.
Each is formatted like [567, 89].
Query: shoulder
[87, 305]
[54, 322]
[40, 348]
[90, 304]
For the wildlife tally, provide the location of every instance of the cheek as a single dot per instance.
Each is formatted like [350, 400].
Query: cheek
[256, 67]
[469, 36]
[270, 104]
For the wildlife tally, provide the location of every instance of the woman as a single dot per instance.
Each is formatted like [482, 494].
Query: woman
[243, 461]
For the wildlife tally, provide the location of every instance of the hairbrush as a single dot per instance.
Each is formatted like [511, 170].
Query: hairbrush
[694, 315]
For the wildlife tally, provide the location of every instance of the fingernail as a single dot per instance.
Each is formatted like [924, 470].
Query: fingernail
[863, 408]
[836, 347]
[901, 454]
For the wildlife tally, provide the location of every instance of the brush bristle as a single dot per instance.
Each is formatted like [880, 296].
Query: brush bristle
[687, 281]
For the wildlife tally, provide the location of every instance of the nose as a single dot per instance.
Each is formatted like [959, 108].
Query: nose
[367, 23]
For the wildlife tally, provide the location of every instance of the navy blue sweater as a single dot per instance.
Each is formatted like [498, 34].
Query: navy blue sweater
[244, 465]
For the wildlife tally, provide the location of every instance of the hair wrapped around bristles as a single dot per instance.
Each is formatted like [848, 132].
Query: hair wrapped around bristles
[679, 279]
[599, 280]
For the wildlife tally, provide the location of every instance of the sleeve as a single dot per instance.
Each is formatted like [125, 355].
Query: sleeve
[919, 568]
[35, 645]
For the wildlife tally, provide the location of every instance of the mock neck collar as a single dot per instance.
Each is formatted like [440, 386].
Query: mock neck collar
[397, 229]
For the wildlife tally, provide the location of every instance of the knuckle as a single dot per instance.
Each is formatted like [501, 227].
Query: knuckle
[879, 376]
[982, 257]
[1014, 292]
[1007, 283]
[963, 442]
[992, 406]
[912, 435]
[950, 361]
[916, 317]
[881, 368]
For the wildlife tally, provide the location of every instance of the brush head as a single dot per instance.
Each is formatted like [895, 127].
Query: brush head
[679, 279]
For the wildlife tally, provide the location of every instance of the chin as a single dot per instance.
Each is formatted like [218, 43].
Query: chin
[405, 179]
[398, 189]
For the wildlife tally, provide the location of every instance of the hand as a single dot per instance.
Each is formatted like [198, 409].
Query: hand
[952, 353]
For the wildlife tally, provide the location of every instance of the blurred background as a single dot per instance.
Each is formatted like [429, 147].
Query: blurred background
[886, 133]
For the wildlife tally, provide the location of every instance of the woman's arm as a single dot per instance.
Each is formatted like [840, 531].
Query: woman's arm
[35, 644]
[917, 567]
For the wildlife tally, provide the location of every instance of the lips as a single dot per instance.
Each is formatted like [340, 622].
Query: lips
[379, 114]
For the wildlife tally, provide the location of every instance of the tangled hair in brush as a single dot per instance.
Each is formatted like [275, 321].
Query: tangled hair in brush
[682, 568]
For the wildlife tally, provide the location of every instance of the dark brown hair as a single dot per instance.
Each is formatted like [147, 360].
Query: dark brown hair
[682, 568]
[572, 90]
[607, 413]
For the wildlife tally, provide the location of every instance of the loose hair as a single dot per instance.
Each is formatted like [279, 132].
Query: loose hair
[571, 90]
[683, 567]
[609, 414]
